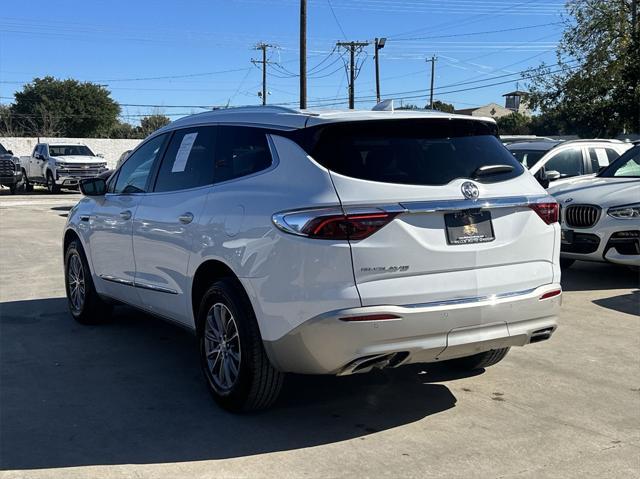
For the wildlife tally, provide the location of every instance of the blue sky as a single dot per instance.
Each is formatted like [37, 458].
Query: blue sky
[183, 54]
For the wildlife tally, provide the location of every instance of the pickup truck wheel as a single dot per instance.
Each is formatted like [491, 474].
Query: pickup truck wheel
[85, 304]
[25, 181]
[478, 361]
[51, 184]
[234, 362]
[13, 188]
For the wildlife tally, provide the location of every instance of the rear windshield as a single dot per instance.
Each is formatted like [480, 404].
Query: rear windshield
[412, 152]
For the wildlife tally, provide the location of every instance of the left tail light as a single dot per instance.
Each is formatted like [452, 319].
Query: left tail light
[333, 223]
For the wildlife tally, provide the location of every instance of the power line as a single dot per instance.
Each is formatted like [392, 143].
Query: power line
[335, 17]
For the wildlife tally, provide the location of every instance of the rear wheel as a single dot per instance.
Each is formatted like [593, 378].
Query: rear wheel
[238, 372]
[13, 188]
[565, 263]
[85, 304]
[51, 184]
[478, 361]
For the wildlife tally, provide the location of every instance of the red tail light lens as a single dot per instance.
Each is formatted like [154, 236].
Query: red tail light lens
[548, 212]
[342, 227]
[370, 317]
[550, 294]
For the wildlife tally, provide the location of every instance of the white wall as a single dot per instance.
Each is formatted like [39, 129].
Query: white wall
[110, 148]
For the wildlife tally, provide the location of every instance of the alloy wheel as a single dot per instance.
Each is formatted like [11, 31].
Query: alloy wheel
[75, 280]
[222, 348]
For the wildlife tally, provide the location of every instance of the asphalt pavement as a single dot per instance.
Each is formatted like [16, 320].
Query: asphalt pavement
[126, 399]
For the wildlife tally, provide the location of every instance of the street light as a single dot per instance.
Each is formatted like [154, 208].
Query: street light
[378, 45]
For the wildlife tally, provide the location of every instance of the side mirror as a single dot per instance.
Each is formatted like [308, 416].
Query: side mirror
[93, 186]
[100, 155]
[553, 175]
[10, 152]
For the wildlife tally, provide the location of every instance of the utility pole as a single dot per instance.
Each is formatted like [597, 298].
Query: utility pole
[379, 45]
[303, 54]
[352, 47]
[433, 60]
[263, 47]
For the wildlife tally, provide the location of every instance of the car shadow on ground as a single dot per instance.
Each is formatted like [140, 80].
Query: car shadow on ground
[38, 192]
[131, 391]
[624, 303]
[589, 276]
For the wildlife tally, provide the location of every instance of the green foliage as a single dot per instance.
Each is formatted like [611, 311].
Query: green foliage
[514, 124]
[151, 123]
[597, 90]
[442, 106]
[49, 107]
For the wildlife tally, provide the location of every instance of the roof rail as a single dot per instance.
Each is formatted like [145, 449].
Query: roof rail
[587, 140]
[256, 108]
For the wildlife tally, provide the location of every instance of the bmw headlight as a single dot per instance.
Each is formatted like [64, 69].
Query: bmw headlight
[626, 212]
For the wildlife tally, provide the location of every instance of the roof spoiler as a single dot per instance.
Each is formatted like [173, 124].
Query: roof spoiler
[385, 105]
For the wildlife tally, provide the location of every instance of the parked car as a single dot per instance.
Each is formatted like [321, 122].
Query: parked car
[601, 214]
[552, 160]
[321, 243]
[60, 165]
[10, 171]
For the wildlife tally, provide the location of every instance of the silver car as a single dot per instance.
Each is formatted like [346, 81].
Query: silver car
[600, 215]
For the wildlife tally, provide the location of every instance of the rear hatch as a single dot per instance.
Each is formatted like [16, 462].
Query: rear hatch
[437, 245]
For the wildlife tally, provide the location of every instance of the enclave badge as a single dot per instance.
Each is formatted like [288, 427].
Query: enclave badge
[469, 190]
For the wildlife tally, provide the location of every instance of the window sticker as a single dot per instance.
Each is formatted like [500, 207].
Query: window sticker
[603, 160]
[180, 162]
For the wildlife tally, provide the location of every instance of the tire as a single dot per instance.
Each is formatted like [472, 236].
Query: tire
[478, 361]
[237, 370]
[25, 180]
[88, 308]
[51, 184]
[566, 263]
[13, 188]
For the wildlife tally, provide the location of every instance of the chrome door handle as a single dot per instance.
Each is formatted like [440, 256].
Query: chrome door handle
[186, 218]
[125, 215]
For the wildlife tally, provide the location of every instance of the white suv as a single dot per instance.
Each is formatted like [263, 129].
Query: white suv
[321, 243]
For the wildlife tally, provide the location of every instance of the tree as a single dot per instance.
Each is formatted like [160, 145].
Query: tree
[514, 124]
[8, 124]
[151, 123]
[595, 88]
[49, 107]
[124, 130]
[442, 106]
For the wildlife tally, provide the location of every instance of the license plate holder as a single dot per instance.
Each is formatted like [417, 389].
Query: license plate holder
[469, 227]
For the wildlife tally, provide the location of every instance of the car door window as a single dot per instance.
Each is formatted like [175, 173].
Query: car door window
[134, 173]
[240, 151]
[566, 162]
[189, 160]
[601, 157]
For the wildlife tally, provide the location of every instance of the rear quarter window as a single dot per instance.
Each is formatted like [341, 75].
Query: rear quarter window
[415, 152]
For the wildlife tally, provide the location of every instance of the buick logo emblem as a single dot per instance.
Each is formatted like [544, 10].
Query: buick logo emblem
[469, 190]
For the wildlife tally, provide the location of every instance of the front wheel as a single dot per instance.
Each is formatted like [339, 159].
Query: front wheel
[25, 182]
[236, 367]
[85, 304]
[478, 361]
[13, 188]
[51, 184]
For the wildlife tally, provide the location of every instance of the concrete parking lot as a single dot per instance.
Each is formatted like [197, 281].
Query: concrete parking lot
[126, 399]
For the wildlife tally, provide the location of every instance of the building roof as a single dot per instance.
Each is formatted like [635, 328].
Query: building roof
[289, 119]
[516, 92]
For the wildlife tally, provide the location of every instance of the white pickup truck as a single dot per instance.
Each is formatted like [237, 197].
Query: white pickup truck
[60, 165]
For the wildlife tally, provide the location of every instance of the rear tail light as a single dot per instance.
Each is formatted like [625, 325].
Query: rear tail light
[550, 294]
[333, 224]
[548, 212]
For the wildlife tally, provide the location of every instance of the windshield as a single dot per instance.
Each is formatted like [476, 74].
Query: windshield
[70, 150]
[528, 157]
[2, 150]
[412, 152]
[627, 166]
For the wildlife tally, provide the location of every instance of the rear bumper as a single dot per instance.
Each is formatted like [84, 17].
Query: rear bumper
[422, 333]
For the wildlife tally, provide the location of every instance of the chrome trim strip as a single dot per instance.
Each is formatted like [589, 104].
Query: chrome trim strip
[153, 287]
[113, 279]
[137, 284]
[480, 203]
[474, 299]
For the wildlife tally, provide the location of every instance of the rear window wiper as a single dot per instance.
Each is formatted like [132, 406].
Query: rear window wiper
[489, 170]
